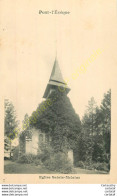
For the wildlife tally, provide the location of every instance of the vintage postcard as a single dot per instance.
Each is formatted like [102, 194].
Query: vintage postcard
[58, 91]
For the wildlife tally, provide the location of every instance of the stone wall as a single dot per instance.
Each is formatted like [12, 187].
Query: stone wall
[32, 145]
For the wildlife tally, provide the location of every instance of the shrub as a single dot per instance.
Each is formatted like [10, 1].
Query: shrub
[59, 162]
[46, 152]
[93, 165]
[26, 158]
[98, 166]
[80, 164]
[37, 162]
[15, 153]
[101, 166]
[30, 159]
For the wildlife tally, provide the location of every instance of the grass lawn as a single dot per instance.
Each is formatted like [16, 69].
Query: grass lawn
[17, 168]
[86, 171]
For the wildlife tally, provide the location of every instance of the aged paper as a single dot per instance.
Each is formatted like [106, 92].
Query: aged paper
[46, 43]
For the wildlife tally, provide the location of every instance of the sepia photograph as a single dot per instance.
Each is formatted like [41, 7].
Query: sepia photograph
[54, 139]
[58, 91]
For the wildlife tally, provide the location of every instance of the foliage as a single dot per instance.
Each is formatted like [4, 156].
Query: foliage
[10, 125]
[101, 166]
[94, 166]
[22, 139]
[80, 164]
[55, 161]
[59, 162]
[60, 120]
[106, 120]
[15, 153]
[90, 141]
[46, 152]
[96, 132]
[26, 158]
[10, 120]
[6, 144]
[25, 123]
[37, 162]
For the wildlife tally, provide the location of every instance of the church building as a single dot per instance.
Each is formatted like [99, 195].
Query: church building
[32, 145]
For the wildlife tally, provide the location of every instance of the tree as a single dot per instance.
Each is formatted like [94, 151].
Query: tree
[106, 120]
[11, 124]
[25, 123]
[103, 125]
[98, 149]
[7, 147]
[91, 109]
[89, 130]
[96, 131]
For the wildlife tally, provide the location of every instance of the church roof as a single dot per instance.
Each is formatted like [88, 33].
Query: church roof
[56, 79]
[56, 74]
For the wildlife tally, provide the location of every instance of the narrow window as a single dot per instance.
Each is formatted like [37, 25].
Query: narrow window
[40, 138]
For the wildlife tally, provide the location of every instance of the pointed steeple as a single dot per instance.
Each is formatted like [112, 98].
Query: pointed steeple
[56, 79]
[56, 74]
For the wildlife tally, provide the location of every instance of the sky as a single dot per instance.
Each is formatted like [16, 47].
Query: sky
[30, 42]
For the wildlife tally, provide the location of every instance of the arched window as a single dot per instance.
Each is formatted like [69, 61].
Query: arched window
[40, 138]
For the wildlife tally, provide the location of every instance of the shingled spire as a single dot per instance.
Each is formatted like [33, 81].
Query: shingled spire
[56, 80]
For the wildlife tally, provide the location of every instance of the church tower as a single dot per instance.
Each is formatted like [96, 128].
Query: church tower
[32, 144]
[56, 81]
